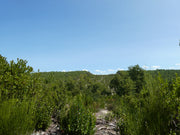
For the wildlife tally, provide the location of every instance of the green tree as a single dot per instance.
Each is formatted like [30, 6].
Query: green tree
[137, 74]
[122, 83]
[15, 78]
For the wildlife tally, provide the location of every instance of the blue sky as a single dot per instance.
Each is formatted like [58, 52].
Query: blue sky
[101, 36]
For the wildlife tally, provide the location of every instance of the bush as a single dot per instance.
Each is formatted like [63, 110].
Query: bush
[154, 111]
[77, 119]
[44, 109]
[16, 117]
[42, 118]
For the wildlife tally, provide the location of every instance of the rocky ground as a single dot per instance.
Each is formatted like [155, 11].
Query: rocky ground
[103, 126]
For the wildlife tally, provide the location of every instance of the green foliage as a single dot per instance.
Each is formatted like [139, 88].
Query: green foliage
[51, 76]
[15, 79]
[137, 75]
[144, 104]
[44, 109]
[77, 119]
[16, 117]
[20, 104]
[152, 113]
[169, 75]
[122, 84]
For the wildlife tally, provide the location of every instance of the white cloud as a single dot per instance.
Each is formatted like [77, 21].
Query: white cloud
[172, 68]
[85, 70]
[177, 64]
[175, 67]
[120, 69]
[111, 70]
[100, 71]
[145, 67]
[108, 71]
[155, 67]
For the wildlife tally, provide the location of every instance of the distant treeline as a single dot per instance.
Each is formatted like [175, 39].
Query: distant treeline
[167, 74]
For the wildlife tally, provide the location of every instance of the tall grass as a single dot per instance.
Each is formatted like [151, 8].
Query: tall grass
[16, 117]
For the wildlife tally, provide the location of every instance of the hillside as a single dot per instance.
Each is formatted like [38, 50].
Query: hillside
[165, 73]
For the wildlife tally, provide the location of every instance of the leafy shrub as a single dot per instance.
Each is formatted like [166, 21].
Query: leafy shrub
[16, 117]
[76, 119]
[44, 109]
[15, 79]
[122, 124]
[152, 113]
[22, 101]
[42, 118]
[122, 84]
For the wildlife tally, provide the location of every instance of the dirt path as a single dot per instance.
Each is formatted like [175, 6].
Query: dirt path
[104, 127]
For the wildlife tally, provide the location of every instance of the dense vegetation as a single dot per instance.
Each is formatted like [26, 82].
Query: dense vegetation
[143, 102]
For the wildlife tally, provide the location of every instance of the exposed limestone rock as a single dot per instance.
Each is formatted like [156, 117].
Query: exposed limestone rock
[104, 127]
